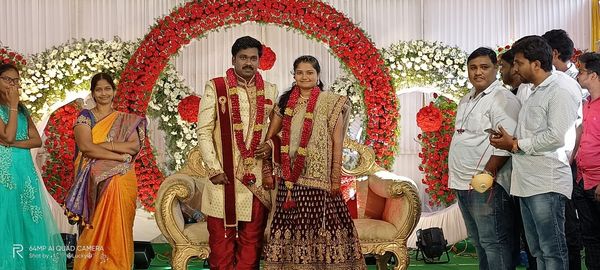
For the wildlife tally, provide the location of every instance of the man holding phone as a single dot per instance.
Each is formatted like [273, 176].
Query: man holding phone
[489, 215]
[541, 176]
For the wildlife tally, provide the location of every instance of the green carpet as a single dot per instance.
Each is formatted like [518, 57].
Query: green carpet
[462, 257]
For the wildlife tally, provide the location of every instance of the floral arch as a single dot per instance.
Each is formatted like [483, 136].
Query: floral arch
[311, 17]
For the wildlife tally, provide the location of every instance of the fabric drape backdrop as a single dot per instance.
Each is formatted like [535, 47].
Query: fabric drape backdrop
[31, 26]
[595, 25]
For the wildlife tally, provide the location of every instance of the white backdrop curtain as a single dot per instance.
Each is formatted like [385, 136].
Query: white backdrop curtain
[31, 26]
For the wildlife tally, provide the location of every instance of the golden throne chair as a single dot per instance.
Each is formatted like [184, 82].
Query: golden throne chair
[388, 210]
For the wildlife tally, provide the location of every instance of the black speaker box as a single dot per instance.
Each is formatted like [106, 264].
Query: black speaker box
[143, 254]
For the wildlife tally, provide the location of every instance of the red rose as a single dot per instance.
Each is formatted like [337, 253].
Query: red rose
[429, 118]
[268, 58]
[188, 108]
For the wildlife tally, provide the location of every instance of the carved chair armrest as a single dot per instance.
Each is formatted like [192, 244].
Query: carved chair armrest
[402, 207]
[168, 212]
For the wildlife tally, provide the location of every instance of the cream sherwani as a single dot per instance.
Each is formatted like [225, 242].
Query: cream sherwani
[209, 140]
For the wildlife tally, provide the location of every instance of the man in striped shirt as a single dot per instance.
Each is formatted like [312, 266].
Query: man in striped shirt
[541, 175]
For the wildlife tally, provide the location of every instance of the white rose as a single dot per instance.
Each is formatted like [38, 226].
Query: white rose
[180, 144]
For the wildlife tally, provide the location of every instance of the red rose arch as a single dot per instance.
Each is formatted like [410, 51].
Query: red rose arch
[314, 18]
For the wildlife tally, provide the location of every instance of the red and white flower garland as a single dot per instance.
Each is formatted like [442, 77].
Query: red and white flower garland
[238, 127]
[291, 174]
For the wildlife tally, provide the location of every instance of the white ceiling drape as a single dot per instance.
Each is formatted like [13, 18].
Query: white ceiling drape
[31, 26]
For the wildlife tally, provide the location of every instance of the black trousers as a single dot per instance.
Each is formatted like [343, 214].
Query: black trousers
[589, 215]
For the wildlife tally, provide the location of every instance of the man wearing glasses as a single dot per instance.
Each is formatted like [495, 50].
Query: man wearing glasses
[588, 163]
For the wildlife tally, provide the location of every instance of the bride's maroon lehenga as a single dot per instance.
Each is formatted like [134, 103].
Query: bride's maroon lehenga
[319, 232]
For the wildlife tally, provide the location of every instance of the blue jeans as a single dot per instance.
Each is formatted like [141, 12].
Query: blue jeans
[544, 222]
[489, 218]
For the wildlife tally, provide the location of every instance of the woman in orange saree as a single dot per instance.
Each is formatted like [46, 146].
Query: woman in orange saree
[102, 199]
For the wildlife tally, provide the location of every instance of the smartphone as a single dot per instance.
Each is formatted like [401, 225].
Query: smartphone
[493, 132]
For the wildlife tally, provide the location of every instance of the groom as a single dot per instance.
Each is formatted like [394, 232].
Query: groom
[232, 123]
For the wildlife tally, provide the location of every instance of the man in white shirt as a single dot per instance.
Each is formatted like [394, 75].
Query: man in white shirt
[511, 79]
[541, 174]
[489, 215]
[562, 51]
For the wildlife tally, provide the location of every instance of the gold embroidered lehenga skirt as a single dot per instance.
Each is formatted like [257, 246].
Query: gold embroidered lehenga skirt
[317, 234]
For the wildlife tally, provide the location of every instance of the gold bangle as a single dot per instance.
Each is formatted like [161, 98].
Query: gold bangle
[14, 110]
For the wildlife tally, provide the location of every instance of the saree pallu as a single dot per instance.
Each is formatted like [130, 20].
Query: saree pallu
[103, 199]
